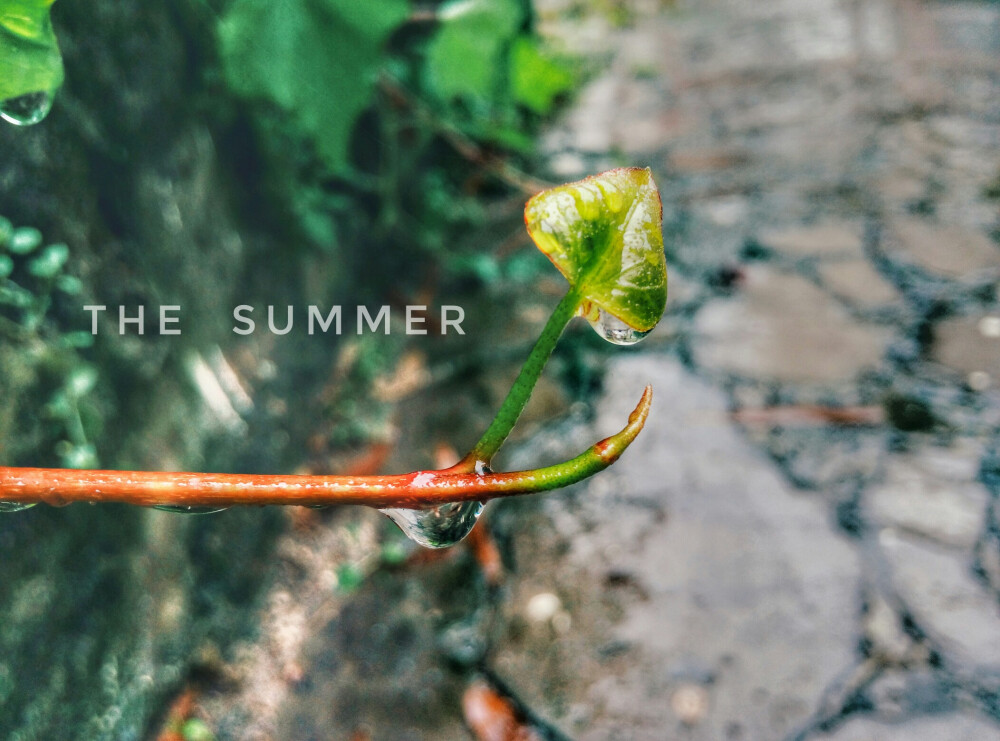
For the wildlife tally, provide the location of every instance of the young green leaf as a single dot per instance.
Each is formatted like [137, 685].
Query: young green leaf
[604, 235]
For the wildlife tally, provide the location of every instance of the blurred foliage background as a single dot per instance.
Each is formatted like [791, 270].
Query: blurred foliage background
[205, 154]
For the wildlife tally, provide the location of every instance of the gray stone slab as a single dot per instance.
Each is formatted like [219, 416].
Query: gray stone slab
[970, 345]
[728, 603]
[945, 250]
[914, 498]
[938, 586]
[828, 239]
[857, 282]
[781, 326]
[949, 727]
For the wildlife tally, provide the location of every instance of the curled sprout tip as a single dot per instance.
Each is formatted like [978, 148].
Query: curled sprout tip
[611, 448]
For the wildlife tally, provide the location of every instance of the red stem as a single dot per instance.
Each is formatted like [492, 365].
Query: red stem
[420, 489]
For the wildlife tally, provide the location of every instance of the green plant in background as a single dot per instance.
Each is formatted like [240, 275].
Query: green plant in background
[604, 235]
[317, 60]
[31, 67]
[33, 276]
[321, 62]
[488, 71]
[393, 129]
[376, 117]
[452, 93]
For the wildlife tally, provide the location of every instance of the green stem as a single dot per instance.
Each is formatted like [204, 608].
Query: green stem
[519, 393]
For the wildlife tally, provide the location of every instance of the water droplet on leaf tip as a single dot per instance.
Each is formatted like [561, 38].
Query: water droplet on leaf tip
[614, 330]
[437, 527]
[27, 109]
[15, 506]
[184, 510]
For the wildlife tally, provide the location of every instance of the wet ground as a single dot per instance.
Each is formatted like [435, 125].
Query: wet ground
[804, 543]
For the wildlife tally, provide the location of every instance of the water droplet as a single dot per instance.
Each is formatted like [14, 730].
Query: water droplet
[15, 506]
[184, 510]
[437, 527]
[27, 109]
[614, 330]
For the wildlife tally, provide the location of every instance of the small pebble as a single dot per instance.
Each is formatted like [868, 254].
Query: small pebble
[543, 607]
[690, 703]
[979, 380]
[989, 326]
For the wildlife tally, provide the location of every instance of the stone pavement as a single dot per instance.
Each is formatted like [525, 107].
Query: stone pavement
[804, 543]
[823, 458]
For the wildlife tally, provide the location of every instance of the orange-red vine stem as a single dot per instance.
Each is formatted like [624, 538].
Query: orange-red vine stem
[419, 489]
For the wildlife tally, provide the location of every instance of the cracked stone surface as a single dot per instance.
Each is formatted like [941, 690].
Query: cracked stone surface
[915, 499]
[781, 326]
[971, 346]
[858, 283]
[831, 239]
[826, 170]
[946, 250]
[947, 727]
[961, 618]
[714, 588]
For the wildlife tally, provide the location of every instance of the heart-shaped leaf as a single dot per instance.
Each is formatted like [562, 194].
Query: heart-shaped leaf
[604, 234]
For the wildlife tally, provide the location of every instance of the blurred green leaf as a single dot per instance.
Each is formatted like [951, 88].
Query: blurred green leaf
[30, 61]
[25, 240]
[464, 58]
[195, 729]
[77, 340]
[69, 284]
[483, 266]
[13, 295]
[82, 379]
[6, 230]
[394, 552]
[49, 262]
[77, 456]
[6, 266]
[507, 136]
[349, 578]
[604, 234]
[59, 406]
[316, 59]
[536, 80]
